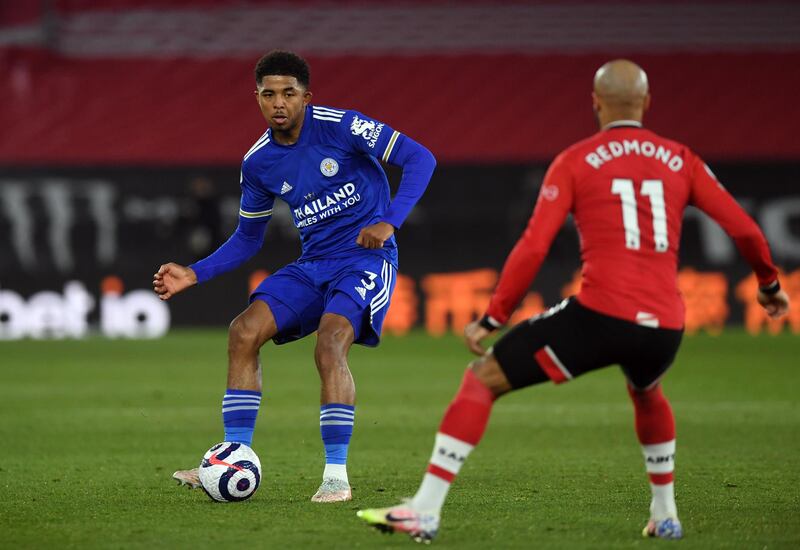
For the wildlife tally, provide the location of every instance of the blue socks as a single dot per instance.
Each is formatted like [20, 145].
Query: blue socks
[336, 427]
[239, 413]
[240, 410]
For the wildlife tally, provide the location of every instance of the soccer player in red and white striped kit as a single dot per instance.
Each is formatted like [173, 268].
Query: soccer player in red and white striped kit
[627, 189]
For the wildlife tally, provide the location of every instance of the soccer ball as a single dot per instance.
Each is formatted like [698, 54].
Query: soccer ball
[230, 472]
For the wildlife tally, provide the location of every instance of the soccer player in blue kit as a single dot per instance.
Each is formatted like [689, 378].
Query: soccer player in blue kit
[324, 163]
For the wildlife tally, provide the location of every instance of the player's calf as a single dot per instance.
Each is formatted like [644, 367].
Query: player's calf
[460, 430]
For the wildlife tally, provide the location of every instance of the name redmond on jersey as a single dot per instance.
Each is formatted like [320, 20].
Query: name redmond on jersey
[615, 149]
[319, 209]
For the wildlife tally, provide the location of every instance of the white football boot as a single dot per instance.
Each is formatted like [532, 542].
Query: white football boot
[333, 490]
[191, 478]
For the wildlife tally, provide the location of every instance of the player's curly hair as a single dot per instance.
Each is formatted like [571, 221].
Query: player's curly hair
[279, 62]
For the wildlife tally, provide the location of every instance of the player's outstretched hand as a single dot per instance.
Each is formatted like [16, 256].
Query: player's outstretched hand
[172, 278]
[473, 335]
[373, 236]
[777, 305]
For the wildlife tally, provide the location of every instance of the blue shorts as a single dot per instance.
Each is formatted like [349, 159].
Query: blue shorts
[358, 288]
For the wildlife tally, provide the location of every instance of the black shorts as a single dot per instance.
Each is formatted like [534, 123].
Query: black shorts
[569, 340]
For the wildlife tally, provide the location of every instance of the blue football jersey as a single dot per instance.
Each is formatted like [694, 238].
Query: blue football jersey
[330, 178]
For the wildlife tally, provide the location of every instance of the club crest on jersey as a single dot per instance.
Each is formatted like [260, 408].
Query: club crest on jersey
[329, 167]
[549, 192]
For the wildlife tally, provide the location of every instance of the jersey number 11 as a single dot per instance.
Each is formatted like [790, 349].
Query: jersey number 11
[630, 219]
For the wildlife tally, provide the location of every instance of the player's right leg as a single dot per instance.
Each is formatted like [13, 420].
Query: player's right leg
[248, 332]
[655, 424]
[459, 432]
[514, 362]
[655, 429]
[357, 298]
[463, 426]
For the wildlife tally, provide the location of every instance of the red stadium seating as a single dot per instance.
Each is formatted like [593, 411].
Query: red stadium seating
[127, 84]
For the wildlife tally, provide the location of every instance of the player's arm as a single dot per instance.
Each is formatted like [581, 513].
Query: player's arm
[554, 203]
[254, 214]
[712, 198]
[397, 149]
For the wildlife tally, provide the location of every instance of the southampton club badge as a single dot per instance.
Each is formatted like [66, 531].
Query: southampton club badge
[329, 167]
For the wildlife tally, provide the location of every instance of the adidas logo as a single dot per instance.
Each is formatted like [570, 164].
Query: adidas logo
[286, 188]
[361, 292]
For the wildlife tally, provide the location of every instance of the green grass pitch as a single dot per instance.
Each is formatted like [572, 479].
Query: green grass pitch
[92, 430]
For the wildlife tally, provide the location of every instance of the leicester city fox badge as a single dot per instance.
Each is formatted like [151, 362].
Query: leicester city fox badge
[328, 167]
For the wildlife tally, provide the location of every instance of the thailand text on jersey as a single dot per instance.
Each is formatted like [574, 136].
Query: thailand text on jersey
[627, 188]
[330, 178]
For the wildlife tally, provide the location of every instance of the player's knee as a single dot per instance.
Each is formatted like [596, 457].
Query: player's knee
[333, 341]
[488, 372]
[243, 335]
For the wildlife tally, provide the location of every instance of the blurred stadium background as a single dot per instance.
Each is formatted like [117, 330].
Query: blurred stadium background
[124, 123]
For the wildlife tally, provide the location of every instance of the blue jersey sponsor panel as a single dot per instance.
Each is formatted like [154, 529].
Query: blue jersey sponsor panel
[331, 179]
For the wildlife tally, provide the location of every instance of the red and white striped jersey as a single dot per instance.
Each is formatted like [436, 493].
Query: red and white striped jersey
[627, 188]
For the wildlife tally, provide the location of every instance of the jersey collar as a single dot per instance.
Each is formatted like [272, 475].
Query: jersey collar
[623, 124]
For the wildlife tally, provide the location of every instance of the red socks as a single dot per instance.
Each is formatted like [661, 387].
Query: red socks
[655, 427]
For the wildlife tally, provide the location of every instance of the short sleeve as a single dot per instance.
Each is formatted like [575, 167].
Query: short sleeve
[256, 201]
[370, 136]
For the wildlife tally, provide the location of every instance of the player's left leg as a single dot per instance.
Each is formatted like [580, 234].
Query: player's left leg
[355, 305]
[337, 404]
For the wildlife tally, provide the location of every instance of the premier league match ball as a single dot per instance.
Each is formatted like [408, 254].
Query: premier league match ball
[230, 472]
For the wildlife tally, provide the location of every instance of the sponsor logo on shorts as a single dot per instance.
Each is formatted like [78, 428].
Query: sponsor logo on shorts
[362, 292]
[285, 188]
